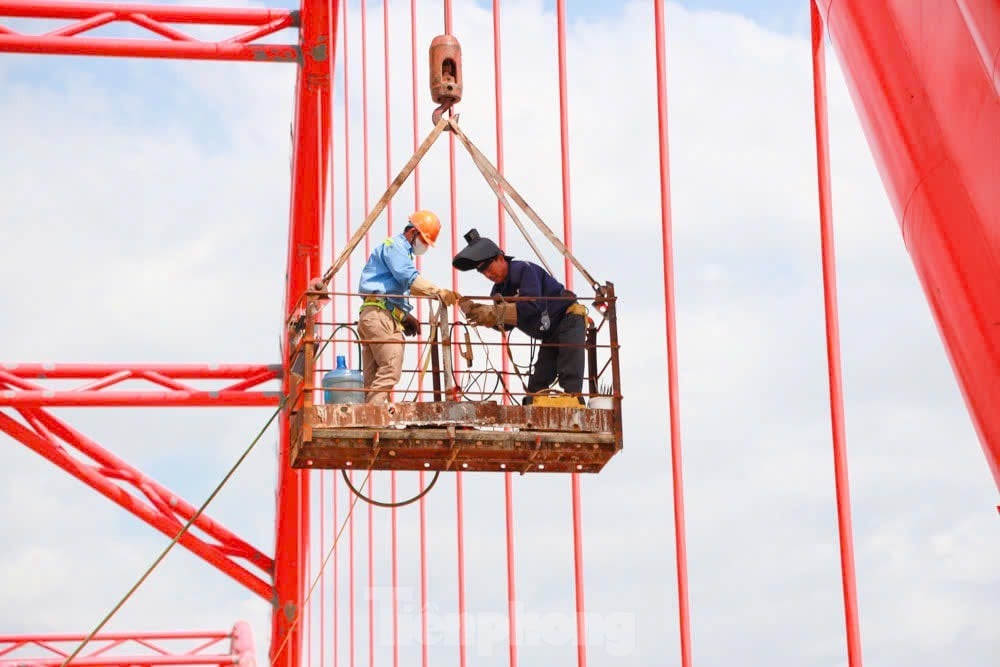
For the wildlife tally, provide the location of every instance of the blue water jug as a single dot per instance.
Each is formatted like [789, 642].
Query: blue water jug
[343, 378]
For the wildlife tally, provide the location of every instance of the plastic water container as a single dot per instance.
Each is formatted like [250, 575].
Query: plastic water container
[343, 379]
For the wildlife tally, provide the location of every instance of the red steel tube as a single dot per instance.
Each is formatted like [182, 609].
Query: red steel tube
[460, 539]
[167, 399]
[459, 502]
[502, 236]
[47, 9]
[673, 389]
[82, 26]
[395, 574]
[114, 636]
[424, 644]
[364, 116]
[388, 124]
[310, 161]
[422, 503]
[931, 117]
[388, 217]
[351, 603]
[848, 577]
[371, 571]
[175, 371]
[581, 628]
[148, 48]
[322, 572]
[336, 574]
[347, 168]
[125, 661]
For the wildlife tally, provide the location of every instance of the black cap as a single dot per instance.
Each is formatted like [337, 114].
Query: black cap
[477, 251]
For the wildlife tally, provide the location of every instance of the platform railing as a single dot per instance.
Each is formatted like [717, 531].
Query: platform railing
[451, 360]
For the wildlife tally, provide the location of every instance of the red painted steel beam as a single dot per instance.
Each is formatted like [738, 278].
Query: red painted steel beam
[310, 161]
[172, 43]
[125, 661]
[931, 114]
[175, 371]
[47, 9]
[102, 475]
[135, 399]
[146, 48]
[108, 636]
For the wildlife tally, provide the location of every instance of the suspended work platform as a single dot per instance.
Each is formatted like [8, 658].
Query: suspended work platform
[577, 432]
[442, 436]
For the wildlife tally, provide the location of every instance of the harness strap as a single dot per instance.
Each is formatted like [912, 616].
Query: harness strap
[396, 312]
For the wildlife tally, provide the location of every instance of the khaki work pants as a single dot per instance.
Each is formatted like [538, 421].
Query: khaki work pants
[383, 360]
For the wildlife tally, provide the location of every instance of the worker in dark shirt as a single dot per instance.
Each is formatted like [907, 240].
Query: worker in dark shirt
[559, 323]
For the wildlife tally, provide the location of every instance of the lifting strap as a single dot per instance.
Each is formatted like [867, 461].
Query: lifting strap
[500, 186]
[495, 179]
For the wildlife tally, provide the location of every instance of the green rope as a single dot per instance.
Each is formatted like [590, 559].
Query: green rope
[174, 541]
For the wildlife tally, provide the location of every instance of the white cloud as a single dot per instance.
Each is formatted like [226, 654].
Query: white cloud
[137, 234]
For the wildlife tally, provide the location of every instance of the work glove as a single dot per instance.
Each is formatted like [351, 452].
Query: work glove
[411, 325]
[481, 315]
[465, 304]
[492, 315]
[448, 297]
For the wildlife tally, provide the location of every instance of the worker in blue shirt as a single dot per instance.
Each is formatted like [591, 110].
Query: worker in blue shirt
[389, 275]
[559, 323]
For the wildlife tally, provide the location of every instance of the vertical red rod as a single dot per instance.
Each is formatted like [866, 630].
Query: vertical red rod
[347, 175]
[833, 343]
[424, 644]
[336, 569]
[371, 477]
[564, 141]
[680, 539]
[334, 19]
[581, 628]
[351, 596]
[460, 535]
[388, 134]
[388, 211]
[395, 576]
[459, 501]
[502, 236]
[364, 112]
[322, 572]
[307, 611]
[416, 174]
[371, 573]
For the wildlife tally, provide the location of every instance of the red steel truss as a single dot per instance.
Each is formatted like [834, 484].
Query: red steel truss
[19, 386]
[280, 580]
[171, 43]
[149, 648]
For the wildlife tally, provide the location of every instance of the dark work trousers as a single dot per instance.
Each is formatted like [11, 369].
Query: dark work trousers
[566, 363]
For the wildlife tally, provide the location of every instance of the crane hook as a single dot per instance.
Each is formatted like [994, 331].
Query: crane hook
[446, 74]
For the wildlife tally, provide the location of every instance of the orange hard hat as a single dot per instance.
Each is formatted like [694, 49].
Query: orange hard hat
[427, 224]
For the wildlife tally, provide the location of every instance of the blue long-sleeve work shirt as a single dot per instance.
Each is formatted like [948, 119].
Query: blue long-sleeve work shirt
[390, 270]
[539, 317]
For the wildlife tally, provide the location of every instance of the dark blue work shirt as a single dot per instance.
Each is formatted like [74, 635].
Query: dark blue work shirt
[540, 317]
